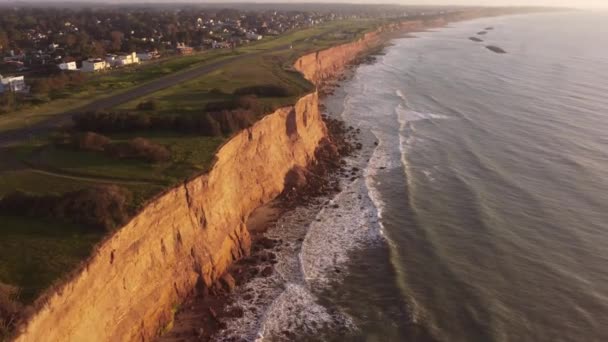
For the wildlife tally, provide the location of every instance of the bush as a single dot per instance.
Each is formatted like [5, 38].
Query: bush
[234, 121]
[147, 105]
[110, 122]
[140, 148]
[9, 309]
[99, 207]
[90, 141]
[265, 90]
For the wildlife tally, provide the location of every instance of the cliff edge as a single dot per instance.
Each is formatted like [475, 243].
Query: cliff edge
[191, 234]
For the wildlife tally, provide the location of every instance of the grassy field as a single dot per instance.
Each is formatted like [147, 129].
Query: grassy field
[103, 85]
[36, 252]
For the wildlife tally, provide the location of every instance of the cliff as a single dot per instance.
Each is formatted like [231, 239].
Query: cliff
[192, 233]
[326, 64]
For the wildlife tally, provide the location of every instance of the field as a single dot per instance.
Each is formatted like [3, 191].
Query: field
[36, 251]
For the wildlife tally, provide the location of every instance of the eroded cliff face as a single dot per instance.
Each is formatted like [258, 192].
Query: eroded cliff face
[323, 65]
[191, 234]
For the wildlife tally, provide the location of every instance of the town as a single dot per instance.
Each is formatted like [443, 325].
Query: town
[46, 51]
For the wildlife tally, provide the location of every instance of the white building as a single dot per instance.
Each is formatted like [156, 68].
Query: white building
[15, 84]
[68, 66]
[146, 56]
[110, 59]
[253, 36]
[92, 65]
[123, 60]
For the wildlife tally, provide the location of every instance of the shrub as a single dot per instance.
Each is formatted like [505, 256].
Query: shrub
[100, 207]
[140, 148]
[147, 105]
[9, 309]
[233, 121]
[90, 141]
[265, 90]
[110, 122]
[219, 106]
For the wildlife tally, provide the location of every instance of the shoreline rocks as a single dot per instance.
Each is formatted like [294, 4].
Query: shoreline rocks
[496, 49]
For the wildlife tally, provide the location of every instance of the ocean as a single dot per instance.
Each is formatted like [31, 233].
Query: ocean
[481, 213]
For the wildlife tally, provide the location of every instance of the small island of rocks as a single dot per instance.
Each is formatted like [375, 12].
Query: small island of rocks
[495, 49]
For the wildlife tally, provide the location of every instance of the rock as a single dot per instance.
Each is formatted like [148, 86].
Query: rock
[489, 28]
[475, 39]
[236, 312]
[228, 282]
[295, 178]
[495, 49]
[267, 271]
[247, 297]
[213, 314]
[267, 243]
[481, 33]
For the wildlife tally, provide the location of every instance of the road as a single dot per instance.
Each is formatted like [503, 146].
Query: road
[62, 119]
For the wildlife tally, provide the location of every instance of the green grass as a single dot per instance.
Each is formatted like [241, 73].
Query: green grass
[107, 84]
[34, 253]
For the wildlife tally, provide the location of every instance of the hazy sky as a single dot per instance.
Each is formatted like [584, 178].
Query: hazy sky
[556, 3]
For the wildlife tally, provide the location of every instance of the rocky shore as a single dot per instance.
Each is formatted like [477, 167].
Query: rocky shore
[205, 315]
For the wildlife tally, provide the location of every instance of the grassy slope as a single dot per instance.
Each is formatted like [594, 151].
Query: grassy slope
[34, 253]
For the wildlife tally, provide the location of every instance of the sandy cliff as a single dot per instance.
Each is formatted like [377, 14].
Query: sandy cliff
[192, 233]
[320, 66]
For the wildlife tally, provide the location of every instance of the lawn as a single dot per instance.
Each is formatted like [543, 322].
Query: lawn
[34, 253]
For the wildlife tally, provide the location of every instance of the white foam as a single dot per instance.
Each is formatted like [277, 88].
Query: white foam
[338, 231]
[296, 310]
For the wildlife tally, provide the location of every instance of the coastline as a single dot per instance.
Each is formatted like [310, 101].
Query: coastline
[237, 310]
[278, 230]
[221, 282]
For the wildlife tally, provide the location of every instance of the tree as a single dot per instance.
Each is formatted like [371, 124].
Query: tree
[117, 38]
[3, 40]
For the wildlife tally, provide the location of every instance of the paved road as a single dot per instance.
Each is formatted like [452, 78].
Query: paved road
[63, 119]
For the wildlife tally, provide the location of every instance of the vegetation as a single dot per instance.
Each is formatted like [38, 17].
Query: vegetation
[99, 207]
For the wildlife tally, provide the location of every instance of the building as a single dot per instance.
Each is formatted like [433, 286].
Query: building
[123, 60]
[68, 66]
[182, 49]
[253, 36]
[110, 59]
[147, 56]
[92, 65]
[15, 84]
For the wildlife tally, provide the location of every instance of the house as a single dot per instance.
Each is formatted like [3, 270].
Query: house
[146, 56]
[123, 60]
[182, 49]
[14, 84]
[253, 36]
[68, 66]
[94, 64]
[110, 59]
